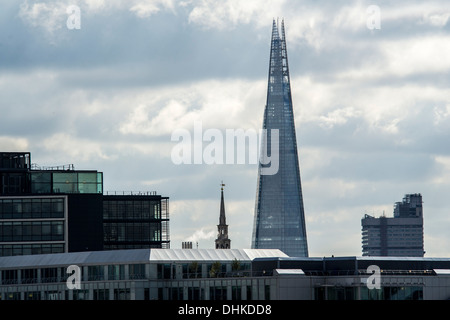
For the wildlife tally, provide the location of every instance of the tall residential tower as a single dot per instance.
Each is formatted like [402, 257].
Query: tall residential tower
[279, 221]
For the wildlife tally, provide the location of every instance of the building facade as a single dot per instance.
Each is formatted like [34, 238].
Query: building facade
[60, 209]
[210, 274]
[279, 220]
[135, 221]
[401, 235]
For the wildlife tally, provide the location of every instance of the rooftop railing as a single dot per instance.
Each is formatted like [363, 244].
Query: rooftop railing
[131, 193]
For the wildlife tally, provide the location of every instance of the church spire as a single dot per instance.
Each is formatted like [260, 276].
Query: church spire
[222, 219]
[222, 241]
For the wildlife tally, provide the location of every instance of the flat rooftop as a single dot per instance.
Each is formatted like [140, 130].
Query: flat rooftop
[135, 256]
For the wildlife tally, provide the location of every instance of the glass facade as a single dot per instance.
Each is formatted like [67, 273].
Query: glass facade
[27, 249]
[13, 172]
[393, 293]
[66, 182]
[18, 177]
[32, 225]
[279, 221]
[135, 222]
[31, 208]
[384, 293]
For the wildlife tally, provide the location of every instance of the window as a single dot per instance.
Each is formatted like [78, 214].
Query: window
[87, 182]
[164, 271]
[267, 292]
[96, 273]
[80, 294]
[36, 208]
[116, 272]
[122, 294]
[9, 276]
[236, 293]
[41, 182]
[29, 276]
[17, 209]
[46, 208]
[176, 293]
[136, 271]
[32, 295]
[7, 209]
[65, 182]
[49, 275]
[101, 294]
[218, 293]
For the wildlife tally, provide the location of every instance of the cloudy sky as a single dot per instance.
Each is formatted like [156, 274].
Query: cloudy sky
[372, 106]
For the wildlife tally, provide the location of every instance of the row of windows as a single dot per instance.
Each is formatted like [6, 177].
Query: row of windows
[98, 294]
[12, 183]
[131, 210]
[94, 273]
[116, 272]
[176, 293]
[132, 232]
[32, 231]
[216, 292]
[385, 293]
[66, 182]
[195, 270]
[122, 245]
[27, 249]
[31, 208]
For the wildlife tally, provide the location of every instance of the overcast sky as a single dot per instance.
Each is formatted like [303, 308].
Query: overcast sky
[371, 106]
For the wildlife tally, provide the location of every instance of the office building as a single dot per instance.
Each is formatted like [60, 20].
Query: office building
[401, 235]
[210, 274]
[279, 221]
[36, 205]
[132, 221]
[60, 209]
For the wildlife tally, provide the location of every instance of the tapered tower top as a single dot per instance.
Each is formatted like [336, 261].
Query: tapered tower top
[222, 241]
[222, 219]
[279, 221]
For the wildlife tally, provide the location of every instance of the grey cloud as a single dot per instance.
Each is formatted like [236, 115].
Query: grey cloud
[50, 85]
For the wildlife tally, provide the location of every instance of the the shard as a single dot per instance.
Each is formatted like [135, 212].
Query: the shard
[279, 221]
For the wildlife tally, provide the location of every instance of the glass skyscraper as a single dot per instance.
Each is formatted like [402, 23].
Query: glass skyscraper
[279, 221]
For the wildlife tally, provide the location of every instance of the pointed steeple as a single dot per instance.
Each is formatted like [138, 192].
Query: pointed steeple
[222, 241]
[222, 219]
